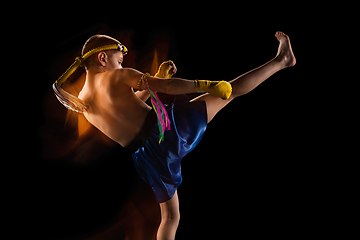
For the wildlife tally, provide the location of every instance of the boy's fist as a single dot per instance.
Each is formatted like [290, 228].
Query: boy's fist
[166, 70]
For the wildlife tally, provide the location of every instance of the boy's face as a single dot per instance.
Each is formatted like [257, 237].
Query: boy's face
[114, 60]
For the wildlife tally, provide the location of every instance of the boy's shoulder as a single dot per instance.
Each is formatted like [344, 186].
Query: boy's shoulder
[123, 73]
[123, 76]
[120, 80]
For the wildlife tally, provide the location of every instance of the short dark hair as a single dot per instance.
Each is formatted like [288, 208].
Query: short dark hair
[95, 41]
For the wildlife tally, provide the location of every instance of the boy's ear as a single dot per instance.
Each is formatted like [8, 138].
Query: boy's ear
[102, 58]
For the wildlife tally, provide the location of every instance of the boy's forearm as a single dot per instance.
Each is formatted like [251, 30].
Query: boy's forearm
[172, 86]
[220, 89]
[177, 86]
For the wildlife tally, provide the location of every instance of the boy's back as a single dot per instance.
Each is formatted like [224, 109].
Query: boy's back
[113, 106]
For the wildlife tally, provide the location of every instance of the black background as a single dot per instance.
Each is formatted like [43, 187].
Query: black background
[257, 172]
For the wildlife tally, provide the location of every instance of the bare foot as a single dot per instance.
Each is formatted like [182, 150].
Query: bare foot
[285, 54]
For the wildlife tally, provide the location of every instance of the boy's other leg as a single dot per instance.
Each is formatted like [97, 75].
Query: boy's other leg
[250, 80]
[170, 217]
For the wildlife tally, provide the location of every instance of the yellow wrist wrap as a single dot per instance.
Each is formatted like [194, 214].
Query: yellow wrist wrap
[220, 89]
[164, 69]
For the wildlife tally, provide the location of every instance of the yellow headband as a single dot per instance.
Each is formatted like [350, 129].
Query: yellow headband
[80, 60]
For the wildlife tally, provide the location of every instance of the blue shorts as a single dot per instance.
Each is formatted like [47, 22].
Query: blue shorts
[159, 165]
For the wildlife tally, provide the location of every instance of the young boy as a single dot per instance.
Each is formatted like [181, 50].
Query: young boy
[109, 102]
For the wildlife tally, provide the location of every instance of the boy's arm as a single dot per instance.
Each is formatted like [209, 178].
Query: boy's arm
[172, 86]
[176, 86]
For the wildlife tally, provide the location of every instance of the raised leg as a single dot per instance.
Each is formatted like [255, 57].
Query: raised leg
[170, 217]
[250, 80]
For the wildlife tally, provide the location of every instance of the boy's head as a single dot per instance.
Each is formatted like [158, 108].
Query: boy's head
[95, 55]
[107, 60]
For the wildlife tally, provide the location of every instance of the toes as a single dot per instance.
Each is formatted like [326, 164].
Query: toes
[280, 35]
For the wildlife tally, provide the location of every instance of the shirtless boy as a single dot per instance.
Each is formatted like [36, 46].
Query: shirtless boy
[111, 105]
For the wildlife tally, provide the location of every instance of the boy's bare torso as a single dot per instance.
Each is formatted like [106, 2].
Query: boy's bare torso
[113, 108]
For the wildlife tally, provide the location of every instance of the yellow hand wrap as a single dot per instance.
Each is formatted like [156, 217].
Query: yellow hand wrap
[164, 69]
[220, 89]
